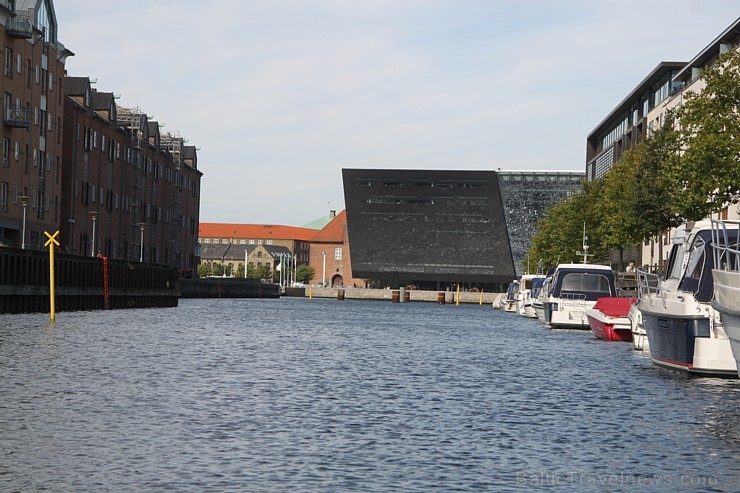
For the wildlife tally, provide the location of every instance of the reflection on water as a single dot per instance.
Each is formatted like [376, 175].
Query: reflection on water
[320, 395]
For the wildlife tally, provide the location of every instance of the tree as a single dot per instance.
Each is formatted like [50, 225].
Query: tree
[635, 200]
[204, 270]
[560, 233]
[706, 173]
[304, 273]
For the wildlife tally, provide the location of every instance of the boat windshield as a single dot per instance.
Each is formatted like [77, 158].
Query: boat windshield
[585, 282]
[675, 259]
[696, 259]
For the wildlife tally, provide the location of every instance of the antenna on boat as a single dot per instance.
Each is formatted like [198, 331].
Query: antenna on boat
[585, 246]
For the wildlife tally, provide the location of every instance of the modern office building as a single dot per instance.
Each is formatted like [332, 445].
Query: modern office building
[628, 122]
[32, 131]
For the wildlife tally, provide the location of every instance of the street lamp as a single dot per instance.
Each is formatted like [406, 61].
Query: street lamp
[24, 202]
[323, 273]
[141, 239]
[94, 220]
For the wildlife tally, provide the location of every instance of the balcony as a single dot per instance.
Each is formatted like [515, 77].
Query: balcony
[16, 117]
[19, 27]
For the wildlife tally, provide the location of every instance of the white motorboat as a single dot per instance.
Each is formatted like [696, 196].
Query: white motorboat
[508, 302]
[639, 336]
[527, 286]
[574, 289]
[684, 332]
[538, 297]
[726, 273]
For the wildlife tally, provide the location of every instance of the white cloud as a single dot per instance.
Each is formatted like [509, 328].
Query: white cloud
[281, 95]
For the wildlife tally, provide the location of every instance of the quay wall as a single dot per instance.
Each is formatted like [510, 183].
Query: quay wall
[227, 287]
[387, 294]
[80, 283]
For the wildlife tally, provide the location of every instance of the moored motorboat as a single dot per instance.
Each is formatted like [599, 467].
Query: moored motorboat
[508, 302]
[608, 319]
[529, 285]
[726, 275]
[684, 331]
[574, 289]
[639, 336]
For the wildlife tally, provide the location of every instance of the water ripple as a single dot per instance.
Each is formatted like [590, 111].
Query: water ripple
[320, 395]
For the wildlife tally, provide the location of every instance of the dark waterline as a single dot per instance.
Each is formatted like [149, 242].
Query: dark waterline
[321, 395]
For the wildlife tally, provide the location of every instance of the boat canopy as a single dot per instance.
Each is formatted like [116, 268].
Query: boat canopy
[584, 281]
[697, 278]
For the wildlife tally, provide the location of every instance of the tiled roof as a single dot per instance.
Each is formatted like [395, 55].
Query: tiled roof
[75, 86]
[332, 232]
[266, 231]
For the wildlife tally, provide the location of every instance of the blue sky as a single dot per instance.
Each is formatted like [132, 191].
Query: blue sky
[280, 95]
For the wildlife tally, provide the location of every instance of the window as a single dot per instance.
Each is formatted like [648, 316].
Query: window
[259, 242]
[4, 196]
[337, 254]
[19, 63]
[225, 241]
[242, 242]
[207, 241]
[251, 242]
[216, 241]
[269, 242]
[8, 62]
[17, 152]
[6, 153]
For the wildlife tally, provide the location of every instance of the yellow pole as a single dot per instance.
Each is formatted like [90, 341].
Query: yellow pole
[310, 292]
[52, 308]
[51, 243]
[457, 301]
[481, 297]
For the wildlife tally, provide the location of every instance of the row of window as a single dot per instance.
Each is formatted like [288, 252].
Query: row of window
[39, 157]
[90, 141]
[42, 76]
[225, 241]
[37, 200]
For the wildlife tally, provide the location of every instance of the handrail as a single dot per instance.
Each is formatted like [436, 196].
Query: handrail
[647, 283]
[726, 250]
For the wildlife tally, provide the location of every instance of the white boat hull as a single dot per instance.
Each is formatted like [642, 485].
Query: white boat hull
[727, 303]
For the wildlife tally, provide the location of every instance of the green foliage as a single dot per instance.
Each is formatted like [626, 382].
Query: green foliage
[686, 170]
[560, 234]
[204, 270]
[706, 174]
[304, 273]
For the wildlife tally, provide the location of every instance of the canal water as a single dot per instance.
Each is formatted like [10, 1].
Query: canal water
[322, 395]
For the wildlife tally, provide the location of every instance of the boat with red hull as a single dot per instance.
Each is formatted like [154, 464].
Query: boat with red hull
[608, 319]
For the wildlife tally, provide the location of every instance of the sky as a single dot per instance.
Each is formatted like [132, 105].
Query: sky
[280, 95]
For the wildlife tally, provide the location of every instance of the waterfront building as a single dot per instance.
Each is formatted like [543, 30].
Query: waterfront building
[295, 239]
[431, 228]
[32, 131]
[231, 257]
[641, 113]
[526, 195]
[129, 192]
[628, 122]
[330, 255]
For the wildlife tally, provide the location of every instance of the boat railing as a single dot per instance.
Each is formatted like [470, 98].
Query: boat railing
[726, 244]
[647, 283]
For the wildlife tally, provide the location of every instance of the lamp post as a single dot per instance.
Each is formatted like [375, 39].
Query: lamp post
[94, 221]
[141, 247]
[323, 273]
[24, 202]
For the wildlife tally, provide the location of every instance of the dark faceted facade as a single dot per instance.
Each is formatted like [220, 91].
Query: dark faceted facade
[526, 196]
[407, 226]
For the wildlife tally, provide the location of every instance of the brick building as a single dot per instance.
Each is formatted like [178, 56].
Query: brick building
[129, 192]
[330, 256]
[32, 131]
[295, 239]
